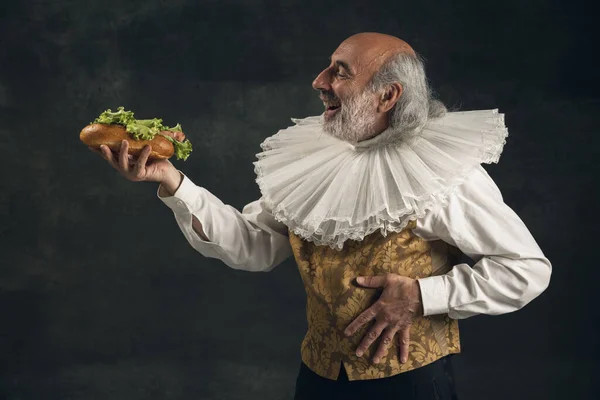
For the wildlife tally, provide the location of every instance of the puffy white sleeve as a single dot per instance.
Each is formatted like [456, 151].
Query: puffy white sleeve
[250, 240]
[510, 269]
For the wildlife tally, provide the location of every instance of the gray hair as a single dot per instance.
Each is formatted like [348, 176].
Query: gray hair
[416, 105]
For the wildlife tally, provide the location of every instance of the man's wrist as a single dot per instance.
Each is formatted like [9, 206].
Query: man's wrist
[171, 182]
[417, 298]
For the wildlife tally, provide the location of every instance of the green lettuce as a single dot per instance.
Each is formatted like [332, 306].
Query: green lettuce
[145, 129]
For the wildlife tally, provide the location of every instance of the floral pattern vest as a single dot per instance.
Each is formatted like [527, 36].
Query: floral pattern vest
[334, 300]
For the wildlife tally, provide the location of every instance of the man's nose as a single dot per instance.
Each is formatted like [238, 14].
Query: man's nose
[321, 82]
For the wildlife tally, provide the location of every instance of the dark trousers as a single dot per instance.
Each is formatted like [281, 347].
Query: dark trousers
[434, 381]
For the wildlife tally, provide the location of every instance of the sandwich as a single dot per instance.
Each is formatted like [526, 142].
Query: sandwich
[111, 128]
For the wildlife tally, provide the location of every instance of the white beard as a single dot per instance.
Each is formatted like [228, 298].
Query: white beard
[355, 120]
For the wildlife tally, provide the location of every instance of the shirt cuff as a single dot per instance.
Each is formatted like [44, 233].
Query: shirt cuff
[184, 197]
[434, 295]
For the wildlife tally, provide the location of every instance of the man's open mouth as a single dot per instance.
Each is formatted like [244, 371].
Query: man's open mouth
[332, 104]
[331, 108]
[330, 111]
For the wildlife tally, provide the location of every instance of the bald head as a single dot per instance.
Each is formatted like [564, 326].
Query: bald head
[374, 49]
[380, 40]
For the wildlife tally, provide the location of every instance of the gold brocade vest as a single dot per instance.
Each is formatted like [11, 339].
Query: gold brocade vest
[334, 300]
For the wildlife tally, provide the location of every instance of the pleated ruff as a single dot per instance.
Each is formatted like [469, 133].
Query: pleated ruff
[328, 191]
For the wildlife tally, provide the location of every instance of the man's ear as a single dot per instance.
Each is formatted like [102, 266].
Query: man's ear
[390, 97]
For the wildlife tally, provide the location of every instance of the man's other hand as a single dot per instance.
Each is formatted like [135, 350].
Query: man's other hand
[393, 312]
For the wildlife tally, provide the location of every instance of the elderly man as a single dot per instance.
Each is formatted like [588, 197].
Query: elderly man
[376, 198]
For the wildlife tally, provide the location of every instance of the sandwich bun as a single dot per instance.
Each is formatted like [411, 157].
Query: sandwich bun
[95, 135]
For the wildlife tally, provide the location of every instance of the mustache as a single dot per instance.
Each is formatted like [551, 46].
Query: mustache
[329, 96]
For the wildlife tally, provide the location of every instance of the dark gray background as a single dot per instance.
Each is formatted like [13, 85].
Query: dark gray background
[101, 297]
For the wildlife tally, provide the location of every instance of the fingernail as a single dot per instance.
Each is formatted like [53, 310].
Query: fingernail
[376, 360]
[403, 360]
[359, 353]
[360, 279]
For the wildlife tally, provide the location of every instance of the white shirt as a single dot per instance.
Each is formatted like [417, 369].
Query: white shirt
[510, 269]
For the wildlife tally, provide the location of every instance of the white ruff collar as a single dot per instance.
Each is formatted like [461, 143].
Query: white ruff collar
[328, 191]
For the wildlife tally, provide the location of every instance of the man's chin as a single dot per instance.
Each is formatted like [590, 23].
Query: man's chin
[344, 132]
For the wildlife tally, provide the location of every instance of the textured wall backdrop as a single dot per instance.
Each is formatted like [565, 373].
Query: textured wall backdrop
[101, 297]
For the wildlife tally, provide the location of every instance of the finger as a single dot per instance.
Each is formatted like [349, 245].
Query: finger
[108, 156]
[123, 159]
[370, 337]
[372, 281]
[366, 316]
[386, 340]
[140, 165]
[403, 341]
